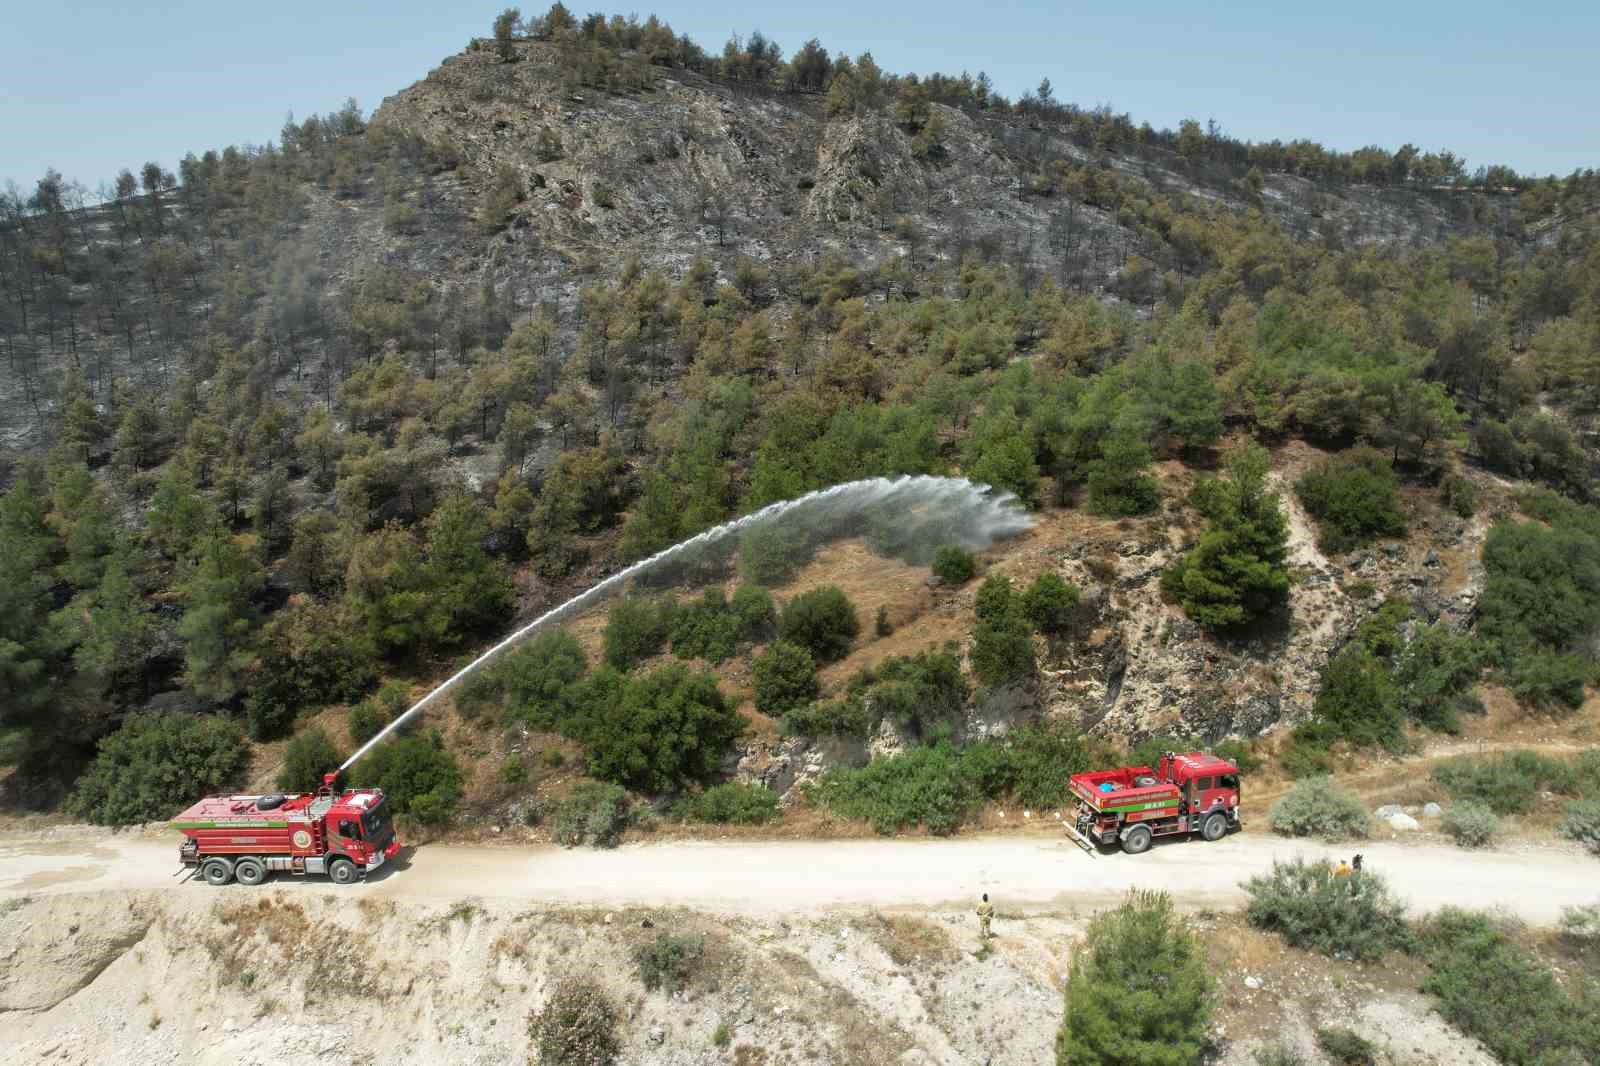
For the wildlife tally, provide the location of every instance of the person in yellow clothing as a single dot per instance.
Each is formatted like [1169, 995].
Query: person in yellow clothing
[985, 915]
[1342, 871]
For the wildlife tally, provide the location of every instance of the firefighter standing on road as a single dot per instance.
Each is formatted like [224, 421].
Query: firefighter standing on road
[985, 914]
[1342, 871]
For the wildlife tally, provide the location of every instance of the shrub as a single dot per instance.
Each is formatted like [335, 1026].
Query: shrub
[919, 692]
[1118, 484]
[657, 731]
[1582, 922]
[954, 565]
[593, 813]
[1140, 992]
[668, 961]
[769, 554]
[366, 721]
[306, 758]
[1430, 670]
[1354, 497]
[538, 678]
[1277, 1053]
[920, 786]
[1037, 760]
[1310, 908]
[706, 629]
[1506, 783]
[1346, 1047]
[156, 764]
[1049, 602]
[1581, 822]
[512, 770]
[823, 621]
[835, 718]
[310, 655]
[732, 803]
[754, 612]
[1318, 807]
[577, 1027]
[1470, 823]
[881, 625]
[417, 776]
[1459, 493]
[637, 627]
[1357, 702]
[785, 678]
[1241, 753]
[1491, 988]
[1002, 640]
[1550, 681]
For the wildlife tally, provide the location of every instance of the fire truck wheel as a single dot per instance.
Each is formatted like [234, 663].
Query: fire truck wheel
[1136, 840]
[250, 871]
[217, 872]
[341, 871]
[1215, 827]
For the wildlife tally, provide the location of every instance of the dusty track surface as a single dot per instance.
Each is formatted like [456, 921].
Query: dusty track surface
[762, 878]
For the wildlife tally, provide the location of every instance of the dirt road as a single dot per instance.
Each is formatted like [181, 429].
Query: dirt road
[1022, 873]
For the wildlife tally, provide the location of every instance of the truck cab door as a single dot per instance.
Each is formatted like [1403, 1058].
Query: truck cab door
[348, 839]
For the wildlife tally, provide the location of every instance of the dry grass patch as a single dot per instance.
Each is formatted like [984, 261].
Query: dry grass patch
[908, 940]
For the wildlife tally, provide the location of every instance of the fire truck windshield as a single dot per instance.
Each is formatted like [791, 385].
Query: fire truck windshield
[376, 822]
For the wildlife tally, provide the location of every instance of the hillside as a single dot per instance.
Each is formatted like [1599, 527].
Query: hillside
[301, 426]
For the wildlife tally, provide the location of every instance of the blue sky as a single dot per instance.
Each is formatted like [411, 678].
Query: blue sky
[89, 87]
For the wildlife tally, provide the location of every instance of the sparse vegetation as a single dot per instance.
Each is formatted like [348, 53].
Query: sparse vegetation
[1140, 992]
[594, 814]
[1310, 908]
[577, 1026]
[823, 621]
[785, 678]
[1580, 821]
[667, 962]
[1347, 1047]
[306, 758]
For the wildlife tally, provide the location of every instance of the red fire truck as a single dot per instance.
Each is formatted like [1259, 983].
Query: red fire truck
[1182, 795]
[342, 834]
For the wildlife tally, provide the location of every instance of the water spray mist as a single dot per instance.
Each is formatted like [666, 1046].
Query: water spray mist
[961, 512]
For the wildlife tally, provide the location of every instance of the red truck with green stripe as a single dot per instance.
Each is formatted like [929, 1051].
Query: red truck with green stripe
[1196, 794]
[344, 835]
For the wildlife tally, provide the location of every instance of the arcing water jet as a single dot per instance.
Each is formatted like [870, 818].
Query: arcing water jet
[912, 512]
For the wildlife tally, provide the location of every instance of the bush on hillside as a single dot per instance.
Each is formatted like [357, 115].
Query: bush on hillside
[1357, 703]
[637, 628]
[593, 813]
[919, 693]
[1354, 497]
[785, 679]
[1140, 991]
[667, 962]
[1049, 602]
[658, 731]
[954, 565]
[156, 765]
[829, 718]
[1470, 823]
[823, 621]
[1459, 493]
[754, 613]
[366, 720]
[1507, 783]
[1310, 908]
[416, 774]
[731, 803]
[577, 1026]
[923, 786]
[538, 678]
[769, 554]
[705, 629]
[1492, 988]
[1002, 638]
[1581, 822]
[1347, 1047]
[1318, 807]
[1550, 682]
[306, 758]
